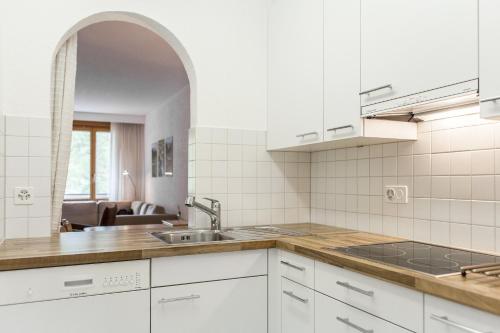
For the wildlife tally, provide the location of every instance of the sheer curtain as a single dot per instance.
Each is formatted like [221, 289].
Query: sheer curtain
[127, 154]
[62, 106]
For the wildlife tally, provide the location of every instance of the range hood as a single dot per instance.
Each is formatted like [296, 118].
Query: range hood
[459, 94]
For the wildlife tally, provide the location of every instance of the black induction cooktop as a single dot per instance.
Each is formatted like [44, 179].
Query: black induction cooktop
[426, 258]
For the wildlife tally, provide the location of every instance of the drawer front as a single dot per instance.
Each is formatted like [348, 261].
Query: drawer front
[396, 304]
[297, 268]
[228, 306]
[297, 308]
[445, 316]
[207, 267]
[334, 316]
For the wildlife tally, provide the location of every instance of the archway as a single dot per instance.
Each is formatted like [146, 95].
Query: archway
[172, 41]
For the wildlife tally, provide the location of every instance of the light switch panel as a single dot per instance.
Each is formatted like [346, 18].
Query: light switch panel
[23, 195]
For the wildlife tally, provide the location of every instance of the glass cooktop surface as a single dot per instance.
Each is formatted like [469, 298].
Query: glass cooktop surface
[426, 258]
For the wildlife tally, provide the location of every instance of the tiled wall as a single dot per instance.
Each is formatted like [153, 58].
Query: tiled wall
[2, 178]
[254, 186]
[27, 163]
[453, 175]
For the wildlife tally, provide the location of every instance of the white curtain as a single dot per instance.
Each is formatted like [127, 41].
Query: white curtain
[127, 154]
[62, 105]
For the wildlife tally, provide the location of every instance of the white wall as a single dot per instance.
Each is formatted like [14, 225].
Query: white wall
[170, 120]
[225, 41]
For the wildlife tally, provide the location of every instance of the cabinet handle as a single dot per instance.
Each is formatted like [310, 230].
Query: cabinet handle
[335, 129]
[492, 99]
[300, 268]
[292, 295]
[356, 289]
[306, 134]
[356, 327]
[177, 299]
[448, 322]
[386, 86]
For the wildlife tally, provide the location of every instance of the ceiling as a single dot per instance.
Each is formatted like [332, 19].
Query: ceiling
[125, 69]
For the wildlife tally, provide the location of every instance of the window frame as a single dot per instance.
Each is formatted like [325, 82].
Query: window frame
[93, 127]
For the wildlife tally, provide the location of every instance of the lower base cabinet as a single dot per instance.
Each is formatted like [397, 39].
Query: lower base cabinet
[445, 316]
[334, 316]
[226, 306]
[297, 308]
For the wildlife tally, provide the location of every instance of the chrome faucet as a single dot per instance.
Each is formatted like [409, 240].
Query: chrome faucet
[213, 211]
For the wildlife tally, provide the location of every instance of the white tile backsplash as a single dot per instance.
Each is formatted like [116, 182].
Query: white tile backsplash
[27, 163]
[453, 175]
[262, 187]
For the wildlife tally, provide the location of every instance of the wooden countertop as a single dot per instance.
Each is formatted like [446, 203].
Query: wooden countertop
[95, 247]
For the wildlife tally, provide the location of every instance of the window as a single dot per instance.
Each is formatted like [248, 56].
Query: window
[90, 162]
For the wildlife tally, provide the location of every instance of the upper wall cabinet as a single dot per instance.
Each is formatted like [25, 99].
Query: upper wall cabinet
[295, 102]
[417, 47]
[489, 55]
[314, 56]
[341, 84]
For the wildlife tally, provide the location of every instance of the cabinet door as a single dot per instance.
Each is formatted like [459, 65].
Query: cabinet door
[342, 69]
[489, 53]
[334, 316]
[295, 101]
[416, 45]
[228, 306]
[297, 308]
[449, 317]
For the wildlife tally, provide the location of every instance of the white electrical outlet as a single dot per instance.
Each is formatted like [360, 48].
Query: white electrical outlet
[23, 195]
[396, 194]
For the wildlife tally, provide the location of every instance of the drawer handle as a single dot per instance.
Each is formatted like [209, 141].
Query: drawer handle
[335, 129]
[448, 322]
[292, 295]
[177, 299]
[356, 289]
[492, 99]
[356, 327]
[306, 134]
[286, 263]
[385, 86]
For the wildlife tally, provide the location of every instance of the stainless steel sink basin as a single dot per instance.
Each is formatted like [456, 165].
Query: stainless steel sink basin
[192, 236]
[240, 233]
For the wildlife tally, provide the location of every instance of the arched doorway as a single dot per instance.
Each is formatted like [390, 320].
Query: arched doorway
[121, 74]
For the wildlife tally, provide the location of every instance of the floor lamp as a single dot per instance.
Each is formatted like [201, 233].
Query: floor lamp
[127, 174]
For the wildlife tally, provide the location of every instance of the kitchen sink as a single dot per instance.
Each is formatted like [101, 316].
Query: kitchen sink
[227, 234]
[192, 236]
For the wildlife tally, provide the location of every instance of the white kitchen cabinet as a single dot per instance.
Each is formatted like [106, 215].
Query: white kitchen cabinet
[334, 316]
[297, 308]
[168, 271]
[372, 295]
[342, 70]
[295, 64]
[489, 53]
[415, 46]
[297, 268]
[449, 317]
[274, 292]
[227, 306]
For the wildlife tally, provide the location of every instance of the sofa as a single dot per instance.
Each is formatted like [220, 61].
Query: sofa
[83, 214]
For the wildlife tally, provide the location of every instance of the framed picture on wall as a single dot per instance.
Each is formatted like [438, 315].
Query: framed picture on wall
[169, 156]
[161, 158]
[154, 159]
